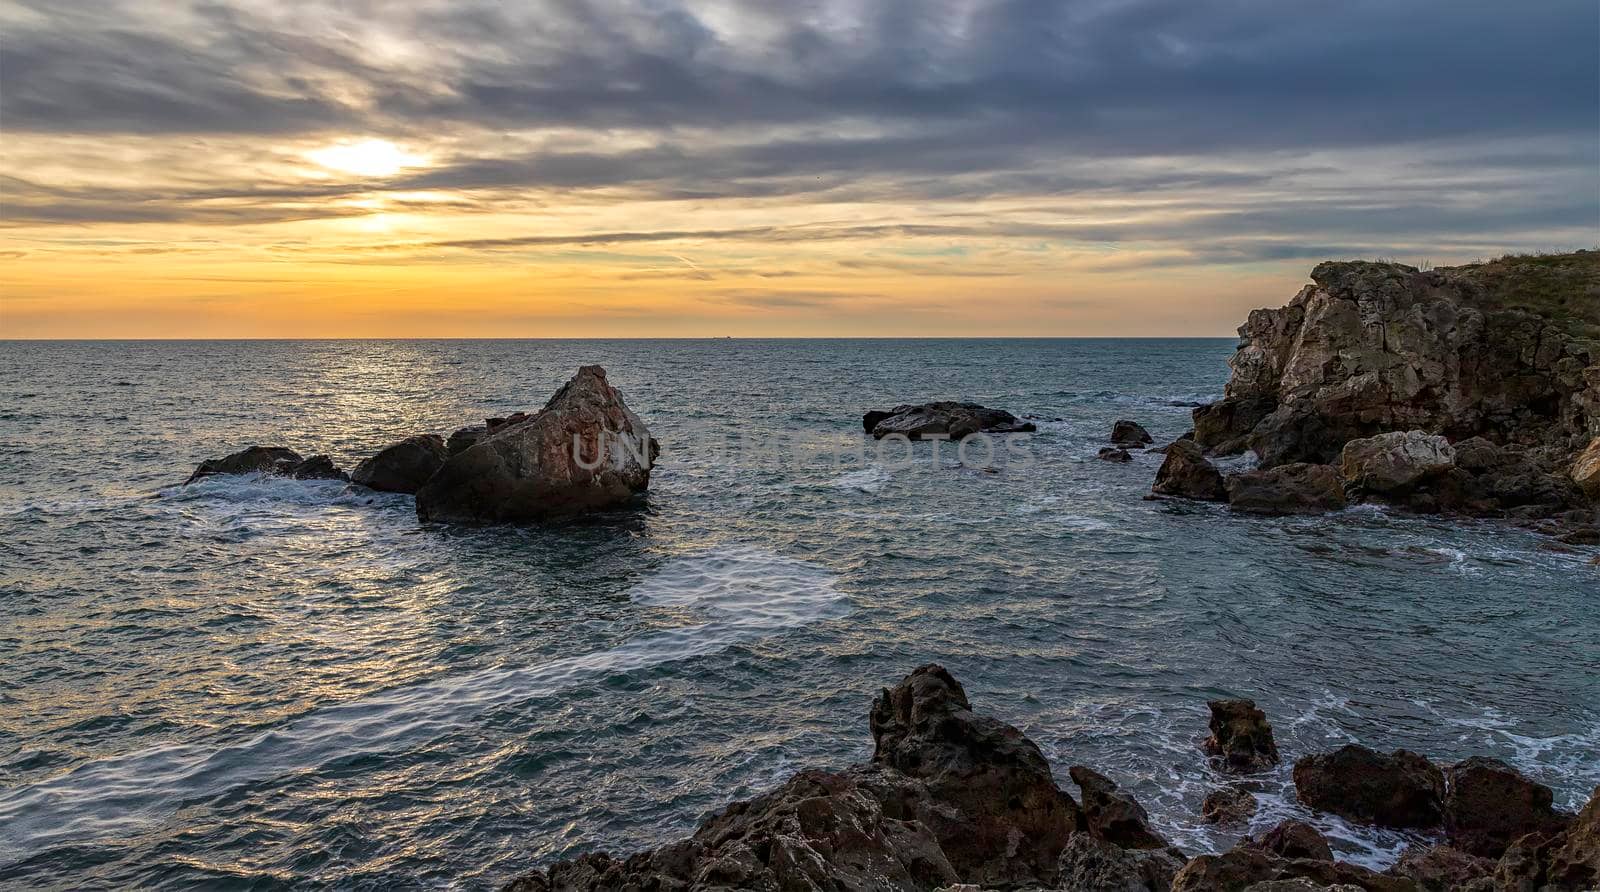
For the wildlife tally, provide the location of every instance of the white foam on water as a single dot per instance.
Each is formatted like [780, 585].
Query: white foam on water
[740, 594]
[869, 479]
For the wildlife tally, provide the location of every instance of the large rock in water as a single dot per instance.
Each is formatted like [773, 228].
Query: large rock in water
[1287, 489]
[583, 451]
[1508, 350]
[1395, 461]
[404, 466]
[1401, 790]
[1127, 434]
[279, 461]
[1004, 820]
[1488, 805]
[942, 419]
[1186, 474]
[1241, 737]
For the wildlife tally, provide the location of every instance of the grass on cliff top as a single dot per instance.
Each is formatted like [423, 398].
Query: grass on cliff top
[1564, 288]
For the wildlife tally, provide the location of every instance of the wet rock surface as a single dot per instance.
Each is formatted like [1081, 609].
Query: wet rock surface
[1287, 489]
[945, 419]
[1400, 789]
[404, 466]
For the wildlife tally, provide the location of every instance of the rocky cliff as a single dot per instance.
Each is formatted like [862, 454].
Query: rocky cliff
[1507, 350]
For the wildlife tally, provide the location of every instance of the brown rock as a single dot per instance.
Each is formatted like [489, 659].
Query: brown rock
[404, 466]
[1089, 862]
[1396, 461]
[944, 419]
[1287, 489]
[1129, 433]
[1113, 814]
[1401, 790]
[1229, 805]
[1243, 868]
[1586, 470]
[1241, 737]
[1293, 839]
[584, 451]
[1440, 868]
[1488, 805]
[1112, 453]
[1187, 474]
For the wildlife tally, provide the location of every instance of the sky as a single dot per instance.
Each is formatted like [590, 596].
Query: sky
[833, 168]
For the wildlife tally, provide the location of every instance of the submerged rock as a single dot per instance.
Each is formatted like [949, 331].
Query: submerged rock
[404, 466]
[1185, 473]
[1287, 489]
[1229, 805]
[584, 451]
[1401, 789]
[943, 419]
[1127, 433]
[1488, 805]
[1112, 453]
[1241, 738]
[1395, 461]
[277, 460]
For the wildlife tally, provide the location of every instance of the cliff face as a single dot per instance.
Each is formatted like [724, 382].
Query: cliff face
[1507, 350]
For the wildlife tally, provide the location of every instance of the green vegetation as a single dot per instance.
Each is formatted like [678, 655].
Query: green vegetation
[1564, 288]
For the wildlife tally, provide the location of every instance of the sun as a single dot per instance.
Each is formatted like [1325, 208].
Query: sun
[366, 158]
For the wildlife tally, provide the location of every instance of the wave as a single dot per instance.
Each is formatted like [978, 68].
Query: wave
[737, 594]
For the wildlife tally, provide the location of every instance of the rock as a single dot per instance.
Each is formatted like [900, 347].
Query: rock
[1440, 868]
[1004, 819]
[1112, 814]
[250, 460]
[1395, 461]
[317, 467]
[1299, 884]
[945, 419]
[1112, 453]
[1505, 350]
[1582, 536]
[1488, 805]
[1187, 474]
[1402, 790]
[404, 466]
[584, 451]
[1229, 805]
[1128, 433]
[1566, 859]
[1586, 470]
[1089, 862]
[1287, 489]
[1241, 737]
[465, 438]
[1293, 839]
[1242, 867]
[279, 461]
[872, 417]
[1475, 454]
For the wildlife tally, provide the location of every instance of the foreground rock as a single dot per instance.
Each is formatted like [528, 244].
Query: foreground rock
[1488, 805]
[1185, 473]
[1441, 868]
[942, 419]
[1089, 862]
[584, 451]
[1566, 859]
[1241, 738]
[1229, 805]
[404, 466]
[1506, 351]
[276, 460]
[1287, 489]
[1402, 789]
[1113, 815]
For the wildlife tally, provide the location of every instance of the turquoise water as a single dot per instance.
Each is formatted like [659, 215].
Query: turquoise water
[269, 683]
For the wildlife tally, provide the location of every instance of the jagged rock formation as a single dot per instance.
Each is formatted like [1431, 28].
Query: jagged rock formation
[1241, 738]
[1508, 351]
[942, 420]
[279, 461]
[1130, 434]
[1186, 473]
[1229, 805]
[583, 451]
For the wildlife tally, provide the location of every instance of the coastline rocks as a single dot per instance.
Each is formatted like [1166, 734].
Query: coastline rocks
[1293, 839]
[939, 420]
[1241, 737]
[1440, 868]
[1401, 790]
[1586, 470]
[1228, 805]
[1089, 862]
[1395, 461]
[1567, 859]
[1242, 868]
[1002, 819]
[1128, 434]
[1488, 805]
[1186, 473]
[465, 438]
[584, 451]
[1287, 489]
[276, 460]
[1116, 454]
[404, 466]
[1505, 351]
[1112, 814]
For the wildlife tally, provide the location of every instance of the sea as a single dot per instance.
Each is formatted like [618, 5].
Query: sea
[263, 683]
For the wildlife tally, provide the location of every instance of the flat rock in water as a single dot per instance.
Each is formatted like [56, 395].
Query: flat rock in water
[942, 419]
